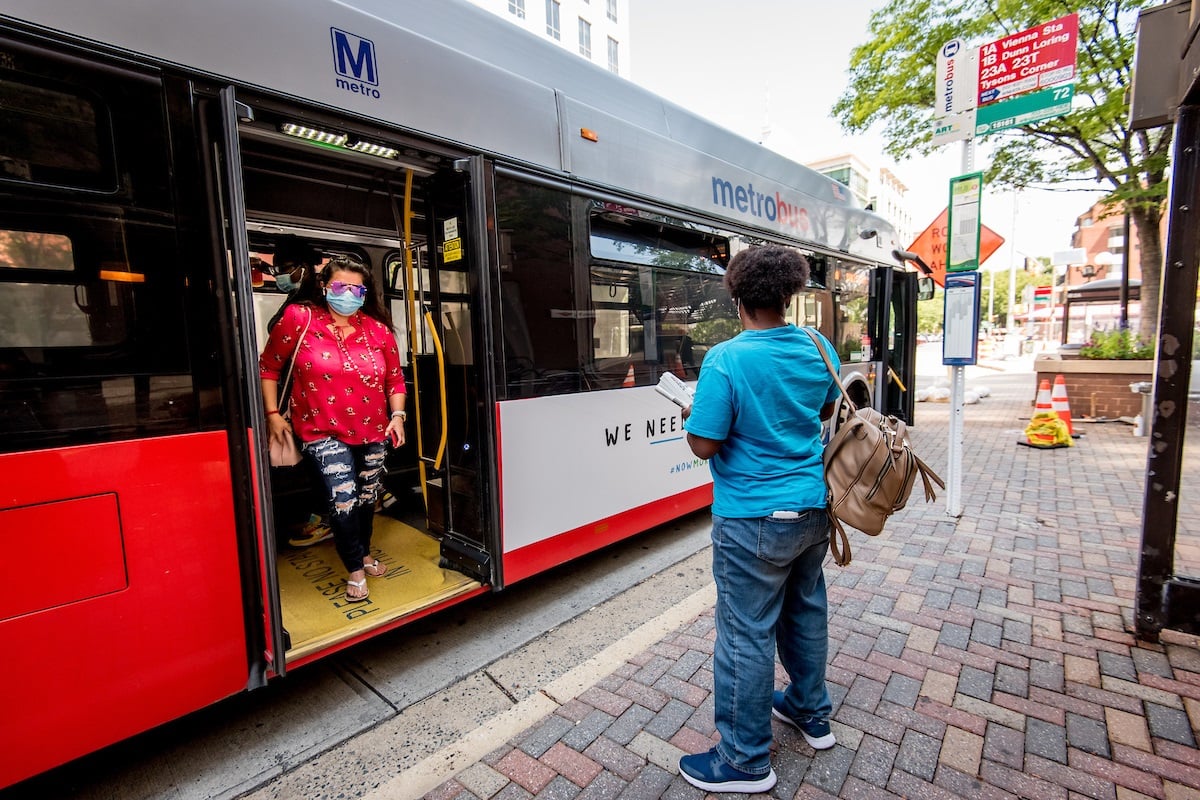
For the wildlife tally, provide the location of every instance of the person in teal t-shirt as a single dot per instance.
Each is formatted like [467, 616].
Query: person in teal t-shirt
[757, 418]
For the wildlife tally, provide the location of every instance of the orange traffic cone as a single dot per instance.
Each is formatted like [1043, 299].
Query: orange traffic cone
[1037, 435]
[1045, 400]
[629, 379]
[1058, 399]
[678, 369]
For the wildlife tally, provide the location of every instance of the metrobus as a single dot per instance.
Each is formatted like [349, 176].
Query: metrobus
[550, 238]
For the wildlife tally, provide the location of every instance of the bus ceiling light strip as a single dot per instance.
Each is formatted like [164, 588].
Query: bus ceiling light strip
[338, 140]
[343, 142]
[373, 149]
[314, 134]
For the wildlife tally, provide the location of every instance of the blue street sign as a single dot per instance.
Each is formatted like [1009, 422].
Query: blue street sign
[989, 95]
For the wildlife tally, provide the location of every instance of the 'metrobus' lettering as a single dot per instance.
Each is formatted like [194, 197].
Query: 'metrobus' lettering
[749, 201]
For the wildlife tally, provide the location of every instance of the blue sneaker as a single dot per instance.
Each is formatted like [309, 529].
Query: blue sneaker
[816, 731]
[708, 772]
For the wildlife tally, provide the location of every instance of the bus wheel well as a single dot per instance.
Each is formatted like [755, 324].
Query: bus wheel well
[859, 391]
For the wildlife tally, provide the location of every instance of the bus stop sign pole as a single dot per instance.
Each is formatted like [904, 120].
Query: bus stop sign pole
[961, 321]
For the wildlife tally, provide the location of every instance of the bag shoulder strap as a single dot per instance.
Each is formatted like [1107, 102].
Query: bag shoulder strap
[287, 381]
[837, 380]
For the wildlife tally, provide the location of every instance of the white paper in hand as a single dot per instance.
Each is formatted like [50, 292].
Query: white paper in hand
[675, 390]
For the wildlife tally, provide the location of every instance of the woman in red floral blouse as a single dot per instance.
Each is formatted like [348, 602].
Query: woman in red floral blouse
[346, 402]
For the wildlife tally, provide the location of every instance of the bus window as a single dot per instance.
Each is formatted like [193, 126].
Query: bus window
[804, 310]
[618, 331]
[60, 322]
[681, 269]
[92, 344]
[695, 312]
[54, 135]
[616, 237]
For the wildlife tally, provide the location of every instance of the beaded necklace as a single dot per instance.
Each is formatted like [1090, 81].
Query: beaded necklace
[374, 381]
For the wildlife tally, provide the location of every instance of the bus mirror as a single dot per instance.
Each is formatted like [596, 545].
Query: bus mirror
[925, 288]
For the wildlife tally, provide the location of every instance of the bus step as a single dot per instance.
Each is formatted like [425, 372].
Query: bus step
[467, 558]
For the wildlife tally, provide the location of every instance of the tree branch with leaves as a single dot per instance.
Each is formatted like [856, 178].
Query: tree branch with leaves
[892, 87]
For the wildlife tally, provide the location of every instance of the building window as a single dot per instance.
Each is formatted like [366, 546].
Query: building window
[614, 62]
[611, 9]
[517, 8]
[585, 38]
[553, 30]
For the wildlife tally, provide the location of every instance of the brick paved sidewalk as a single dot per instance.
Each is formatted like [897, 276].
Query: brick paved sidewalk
[988, 656]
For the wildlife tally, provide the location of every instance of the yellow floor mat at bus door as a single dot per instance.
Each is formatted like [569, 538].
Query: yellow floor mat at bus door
[312, 585]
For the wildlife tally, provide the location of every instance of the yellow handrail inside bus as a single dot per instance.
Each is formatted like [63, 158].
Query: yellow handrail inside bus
[411, 316]
[441, 357]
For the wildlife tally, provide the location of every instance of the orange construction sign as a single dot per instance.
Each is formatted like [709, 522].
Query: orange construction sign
[931, 246]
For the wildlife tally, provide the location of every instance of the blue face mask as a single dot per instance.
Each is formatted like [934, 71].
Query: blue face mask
[344, 304]
[285, 284]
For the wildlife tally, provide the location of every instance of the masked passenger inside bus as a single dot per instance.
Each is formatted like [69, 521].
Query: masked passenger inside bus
[294, 266]
[347, 403]
[298, 514]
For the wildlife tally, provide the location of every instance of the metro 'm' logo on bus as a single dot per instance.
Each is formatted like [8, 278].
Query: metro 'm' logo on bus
[354, 61]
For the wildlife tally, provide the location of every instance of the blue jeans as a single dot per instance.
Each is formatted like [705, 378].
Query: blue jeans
[351, 475]
[770, 594]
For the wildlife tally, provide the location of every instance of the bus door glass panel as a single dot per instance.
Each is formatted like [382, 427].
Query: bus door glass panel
[852, 299]
[454, 490]
[235, 279]
[538, 319]
[899, 396]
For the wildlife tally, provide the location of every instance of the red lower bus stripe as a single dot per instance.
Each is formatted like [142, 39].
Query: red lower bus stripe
[543, 555]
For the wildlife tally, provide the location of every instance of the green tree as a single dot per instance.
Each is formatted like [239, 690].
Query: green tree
[892, 85]
[931, 312]
[1042, 277]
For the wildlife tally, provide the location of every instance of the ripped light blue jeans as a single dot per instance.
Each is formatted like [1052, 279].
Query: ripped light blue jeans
[770, 594]
[351, 475]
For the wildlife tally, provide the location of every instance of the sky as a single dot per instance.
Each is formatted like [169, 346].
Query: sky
[783, 64]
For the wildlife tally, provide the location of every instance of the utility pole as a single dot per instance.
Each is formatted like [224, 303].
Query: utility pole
[1010, 320]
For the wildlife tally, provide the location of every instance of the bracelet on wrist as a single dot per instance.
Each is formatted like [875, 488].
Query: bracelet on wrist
[273, 411]
[401, 414]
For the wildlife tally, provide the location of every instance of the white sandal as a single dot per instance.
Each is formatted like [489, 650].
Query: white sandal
[379, 567]
[358, 585]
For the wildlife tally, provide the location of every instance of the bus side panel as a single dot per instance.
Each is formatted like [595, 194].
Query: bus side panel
[580, 471]
[540, 556]
[123, 607]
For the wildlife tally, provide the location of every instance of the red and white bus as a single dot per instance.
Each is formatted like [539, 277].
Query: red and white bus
[551, 239]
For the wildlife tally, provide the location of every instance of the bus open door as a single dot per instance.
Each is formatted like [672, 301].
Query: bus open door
[263, 613]
[894, 328]
[453, 388]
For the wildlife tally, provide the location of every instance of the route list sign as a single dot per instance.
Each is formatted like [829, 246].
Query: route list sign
[1032, 59]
